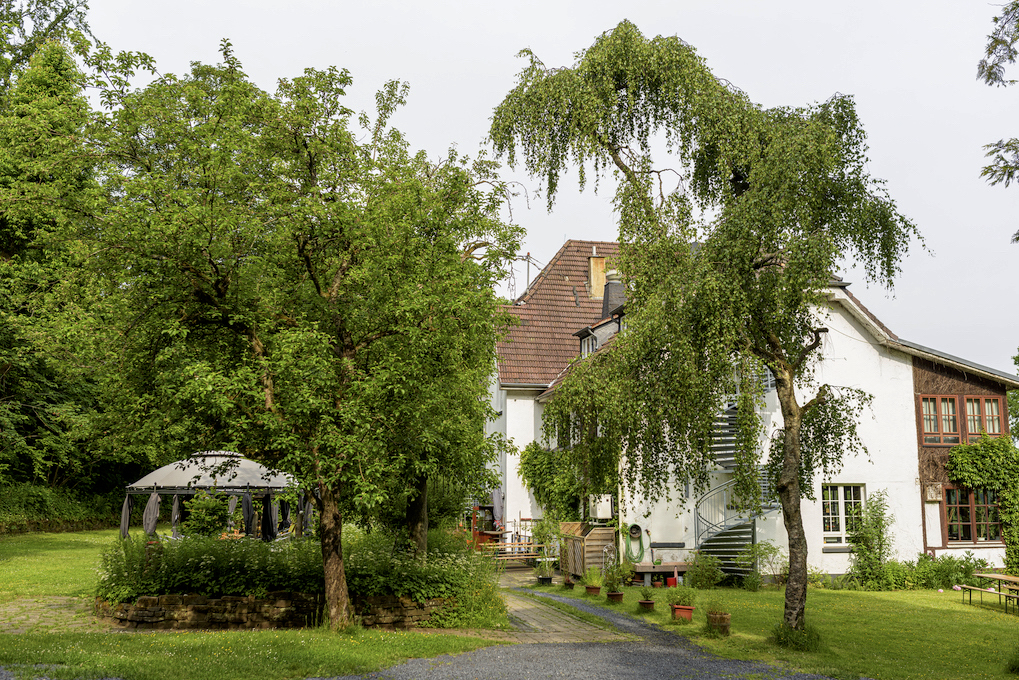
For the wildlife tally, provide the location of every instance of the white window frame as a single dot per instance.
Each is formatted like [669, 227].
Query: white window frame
[836, 511]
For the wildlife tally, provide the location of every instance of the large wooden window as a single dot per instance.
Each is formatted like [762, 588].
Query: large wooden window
[983, 415]
[840, 510]
[940, 420]
[971, 515]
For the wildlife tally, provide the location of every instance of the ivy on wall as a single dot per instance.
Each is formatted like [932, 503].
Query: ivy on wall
[993, 463]
[552, 478]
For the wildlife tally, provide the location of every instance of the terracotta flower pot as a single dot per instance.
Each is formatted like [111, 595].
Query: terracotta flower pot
[646, 605]
[615, 596]
[656, 584]
[719, 621]
[593, 590]
[681, 611]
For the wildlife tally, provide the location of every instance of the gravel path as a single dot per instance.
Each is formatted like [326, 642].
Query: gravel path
[656, 654]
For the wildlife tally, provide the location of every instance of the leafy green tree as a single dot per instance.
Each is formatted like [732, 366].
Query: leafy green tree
[727, 255]
[44, 178]
[27, 25]
[1000, 52]
[324, 303]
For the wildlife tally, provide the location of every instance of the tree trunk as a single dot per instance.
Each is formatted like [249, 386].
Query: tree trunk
[788, 488]
[331, 533]
[417, 517]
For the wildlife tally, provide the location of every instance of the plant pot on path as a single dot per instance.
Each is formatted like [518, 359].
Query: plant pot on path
[680, 611]
[615, 596]
[544, 580]
[593, 590]
[719, 622]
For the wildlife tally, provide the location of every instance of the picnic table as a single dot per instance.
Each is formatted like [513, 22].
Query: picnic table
[1007, 587]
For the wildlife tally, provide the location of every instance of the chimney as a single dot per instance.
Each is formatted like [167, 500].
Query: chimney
[615, 295]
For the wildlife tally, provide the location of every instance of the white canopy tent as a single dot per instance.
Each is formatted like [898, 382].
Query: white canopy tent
[225, 471]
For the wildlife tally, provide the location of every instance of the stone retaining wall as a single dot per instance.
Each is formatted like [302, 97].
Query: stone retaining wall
[389, 612]
[189, 612]
[277, 610]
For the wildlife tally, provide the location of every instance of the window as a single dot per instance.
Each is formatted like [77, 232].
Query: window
[971, 515]
[940, 421]
[840, 510]
[588, 345]
[983, 414]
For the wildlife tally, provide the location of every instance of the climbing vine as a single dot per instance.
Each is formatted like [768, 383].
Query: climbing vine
[993, 463]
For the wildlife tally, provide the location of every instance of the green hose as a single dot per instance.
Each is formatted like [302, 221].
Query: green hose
[630, 557]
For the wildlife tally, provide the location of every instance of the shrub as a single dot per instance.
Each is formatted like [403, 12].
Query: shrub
[207, 514]
[31, 507]
[869, 534]
[704, 572]
[139, 566]
[806, 640]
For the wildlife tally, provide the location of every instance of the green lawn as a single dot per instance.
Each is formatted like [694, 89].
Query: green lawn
[39, 565]
[908, 634]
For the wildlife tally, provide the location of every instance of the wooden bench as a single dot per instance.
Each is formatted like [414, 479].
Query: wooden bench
[514, 551]
[1009, 592]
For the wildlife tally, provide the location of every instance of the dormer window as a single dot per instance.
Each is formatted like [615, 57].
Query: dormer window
[588, 345]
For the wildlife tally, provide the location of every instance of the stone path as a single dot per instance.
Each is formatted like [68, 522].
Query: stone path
[49, 615]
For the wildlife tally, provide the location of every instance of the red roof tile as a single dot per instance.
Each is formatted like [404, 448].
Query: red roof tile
[556, 304]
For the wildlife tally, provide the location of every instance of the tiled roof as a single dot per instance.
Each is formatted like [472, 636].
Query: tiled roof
[556, 304]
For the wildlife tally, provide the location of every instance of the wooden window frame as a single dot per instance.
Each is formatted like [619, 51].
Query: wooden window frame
[972, 507]
[983, 399]
[937, 437]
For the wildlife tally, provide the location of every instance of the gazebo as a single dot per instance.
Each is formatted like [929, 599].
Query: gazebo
[226, 472]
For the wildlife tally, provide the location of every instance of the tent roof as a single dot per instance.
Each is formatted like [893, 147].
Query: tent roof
[224, 470]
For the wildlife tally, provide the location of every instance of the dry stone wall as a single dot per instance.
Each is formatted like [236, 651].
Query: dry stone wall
[277, 610]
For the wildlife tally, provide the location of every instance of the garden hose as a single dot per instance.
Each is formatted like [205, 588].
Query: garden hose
[634, 559]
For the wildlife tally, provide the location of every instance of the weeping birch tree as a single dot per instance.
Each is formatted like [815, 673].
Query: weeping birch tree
[732, 220]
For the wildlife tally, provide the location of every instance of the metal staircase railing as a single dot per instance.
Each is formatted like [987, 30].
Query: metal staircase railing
[717, 510]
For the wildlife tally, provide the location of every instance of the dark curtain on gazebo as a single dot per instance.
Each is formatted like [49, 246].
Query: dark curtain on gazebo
[248, 510]
[151, 515]
[284, 516]
[268, 532]
[175, 516]
[231, 506]
[125, 515]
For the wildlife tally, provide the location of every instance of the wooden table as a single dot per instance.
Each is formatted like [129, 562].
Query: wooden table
[1007, 587]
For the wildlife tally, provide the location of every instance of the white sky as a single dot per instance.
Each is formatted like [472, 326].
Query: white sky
[910, 64]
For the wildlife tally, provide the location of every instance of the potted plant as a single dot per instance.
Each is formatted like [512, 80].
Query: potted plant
[612, 582]
[656, 580]
[593, 580]
[568, 582]
[647, 601]
[718, 619]
[681, 599]
[545, 568]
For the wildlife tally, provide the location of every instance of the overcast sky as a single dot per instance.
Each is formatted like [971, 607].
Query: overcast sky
[909, 64]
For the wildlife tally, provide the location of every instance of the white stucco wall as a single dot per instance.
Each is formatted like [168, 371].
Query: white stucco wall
[523, 426]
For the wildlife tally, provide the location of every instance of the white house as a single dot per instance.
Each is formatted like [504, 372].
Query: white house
[924, 402]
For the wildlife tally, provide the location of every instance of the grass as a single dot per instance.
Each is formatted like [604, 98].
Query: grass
[43, 565]
[233, 655]
[887, 635]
